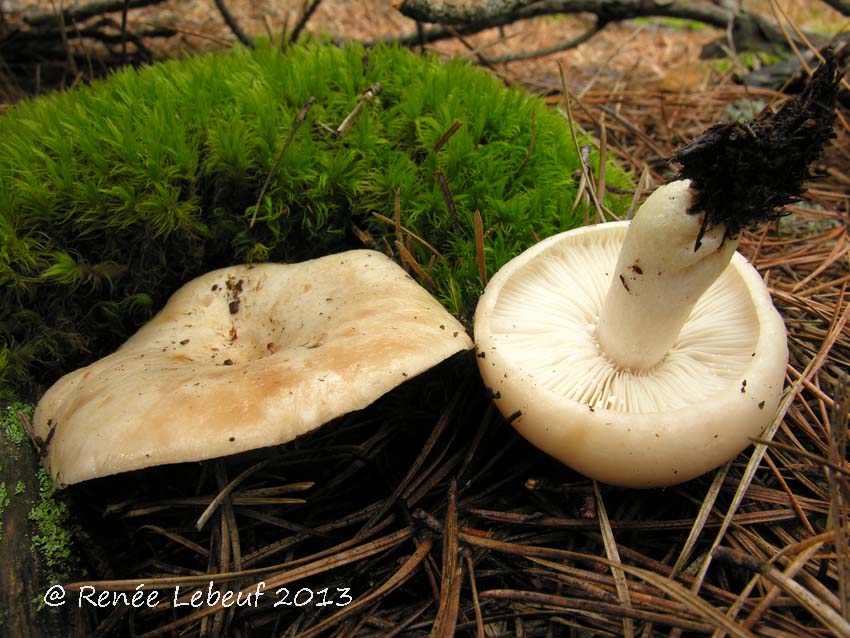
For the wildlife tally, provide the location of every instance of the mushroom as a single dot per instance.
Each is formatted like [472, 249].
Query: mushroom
[647, 353]
[246, 357]
[627, 355]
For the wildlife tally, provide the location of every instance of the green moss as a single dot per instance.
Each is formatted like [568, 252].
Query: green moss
[51, 524]
[4, 503]
[10, 422]
[746, 61]
[114, 195]
[11, 434]
[52, 538]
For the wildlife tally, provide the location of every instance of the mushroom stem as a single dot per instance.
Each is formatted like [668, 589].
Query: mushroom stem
[659, 277]
[741, 175]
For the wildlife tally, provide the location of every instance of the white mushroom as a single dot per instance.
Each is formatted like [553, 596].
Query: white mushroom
[630, 356]
[243, 358]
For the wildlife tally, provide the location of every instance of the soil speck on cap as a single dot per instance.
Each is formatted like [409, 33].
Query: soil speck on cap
[234, 288]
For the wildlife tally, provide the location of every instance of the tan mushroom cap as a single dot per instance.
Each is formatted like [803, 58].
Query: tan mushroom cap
[243, 358]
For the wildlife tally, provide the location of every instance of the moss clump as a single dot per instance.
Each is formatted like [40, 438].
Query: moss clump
[12, 435]
[10, 422]
[52, 540]
[114, 195]
[36, 524]
[4, 503]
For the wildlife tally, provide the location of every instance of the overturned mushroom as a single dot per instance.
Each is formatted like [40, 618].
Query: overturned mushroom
[647, 353]
[606, 373]
[243, 358]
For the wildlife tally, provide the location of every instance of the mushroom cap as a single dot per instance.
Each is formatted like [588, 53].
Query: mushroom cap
[246, 357]
[719, 385]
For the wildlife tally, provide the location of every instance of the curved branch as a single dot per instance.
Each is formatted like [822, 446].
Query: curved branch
[420, 37]
[572, 43]
[81, 13]
[490, 13]
[494, 13]
[469, 18]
